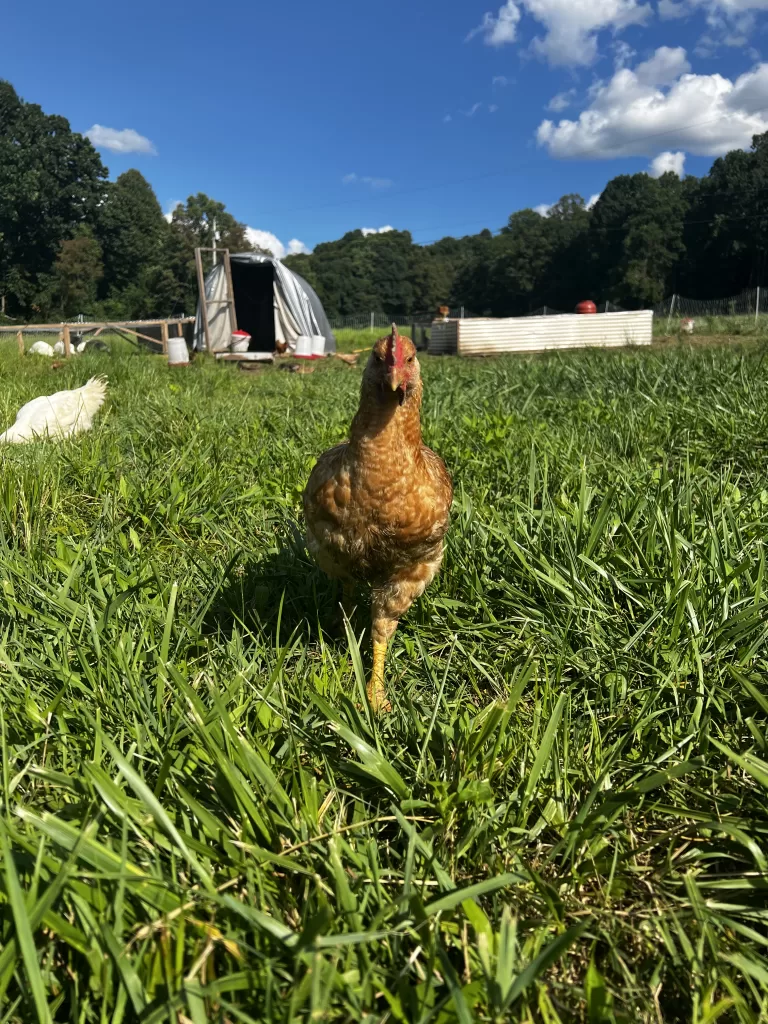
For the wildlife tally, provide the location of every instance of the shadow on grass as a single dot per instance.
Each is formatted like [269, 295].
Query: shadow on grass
[282, 591]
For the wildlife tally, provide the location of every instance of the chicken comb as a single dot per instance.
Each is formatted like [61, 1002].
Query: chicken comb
[395, 355]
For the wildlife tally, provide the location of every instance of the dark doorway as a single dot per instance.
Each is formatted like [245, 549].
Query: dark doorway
[253, 285]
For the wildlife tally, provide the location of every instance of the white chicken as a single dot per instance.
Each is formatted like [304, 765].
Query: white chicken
[42, 348]
[61, 415]
[76, 350]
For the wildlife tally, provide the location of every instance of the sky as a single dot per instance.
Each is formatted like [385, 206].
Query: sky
[437, 116]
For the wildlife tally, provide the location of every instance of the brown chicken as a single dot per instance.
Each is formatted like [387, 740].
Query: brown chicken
[377, 507]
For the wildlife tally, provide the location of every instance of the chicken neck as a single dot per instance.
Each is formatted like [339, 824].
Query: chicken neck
[383, 423]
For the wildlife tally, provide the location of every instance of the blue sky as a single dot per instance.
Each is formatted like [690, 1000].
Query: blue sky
[311, 119]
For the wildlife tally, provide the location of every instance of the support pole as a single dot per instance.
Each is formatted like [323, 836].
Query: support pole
[164, 336]
[671, 310]
[371, 321]
[203, 303]
[20, 342]
[757, 305]
[67, 342]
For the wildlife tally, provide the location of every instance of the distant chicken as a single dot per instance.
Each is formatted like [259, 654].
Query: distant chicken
[42, 348]
[61, 415]
[377, 507]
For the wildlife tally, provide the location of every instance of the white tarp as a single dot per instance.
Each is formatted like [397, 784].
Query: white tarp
[297, 309]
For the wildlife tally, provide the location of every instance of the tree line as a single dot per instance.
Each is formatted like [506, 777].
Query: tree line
[71, 241]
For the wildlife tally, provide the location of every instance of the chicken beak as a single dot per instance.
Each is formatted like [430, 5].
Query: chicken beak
[393, 377]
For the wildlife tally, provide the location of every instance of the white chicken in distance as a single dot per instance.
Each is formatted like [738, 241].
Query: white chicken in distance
[56, 416]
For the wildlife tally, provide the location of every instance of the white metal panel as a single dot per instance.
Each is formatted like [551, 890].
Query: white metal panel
[486, 336]
[443, 338]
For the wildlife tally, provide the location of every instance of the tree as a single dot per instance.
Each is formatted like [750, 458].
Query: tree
[51, 182]
[132, 231]
[76, 274]
[192, 227]
[636, 237]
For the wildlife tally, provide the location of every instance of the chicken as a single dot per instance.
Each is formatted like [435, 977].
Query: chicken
[60, 415]
[377, 507]
[41, 348]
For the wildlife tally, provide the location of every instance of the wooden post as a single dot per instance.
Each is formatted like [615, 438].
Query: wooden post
[231, 291]
[203, 303]
[179, 329]
[65, 339]
[164, 336]
[20, 342]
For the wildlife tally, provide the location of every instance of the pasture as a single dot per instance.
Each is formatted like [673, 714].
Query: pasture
[564, 818]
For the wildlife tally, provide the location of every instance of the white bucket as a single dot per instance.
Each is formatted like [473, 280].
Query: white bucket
[318, 346]
[303, 347]
[178, 353]
[240, 341]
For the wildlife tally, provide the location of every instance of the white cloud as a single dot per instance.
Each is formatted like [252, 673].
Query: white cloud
[543, 209]
[366, 179]
[592, 201]
[472, 110]
[561, 101]
[665, 162]
[493, 107]
[571, 25]
[660, 102]
[500, 80]
[377, 231]
[622, 54]
[266, 240]
[168, 214]
[124, 140]
[500, 28]
[295, 247]
[447, 118]
[669, 10]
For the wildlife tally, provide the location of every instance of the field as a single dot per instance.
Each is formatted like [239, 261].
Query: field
[565, 817]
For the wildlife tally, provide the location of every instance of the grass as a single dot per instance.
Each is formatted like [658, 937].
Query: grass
[565, 818]
[722, 326]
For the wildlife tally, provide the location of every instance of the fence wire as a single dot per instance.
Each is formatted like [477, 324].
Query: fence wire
[376, 321]
[753, 301]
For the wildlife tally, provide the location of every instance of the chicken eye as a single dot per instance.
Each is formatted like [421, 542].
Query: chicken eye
[410, 359]
[377, 357]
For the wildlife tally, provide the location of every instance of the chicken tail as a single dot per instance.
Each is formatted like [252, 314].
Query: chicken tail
[94, 393]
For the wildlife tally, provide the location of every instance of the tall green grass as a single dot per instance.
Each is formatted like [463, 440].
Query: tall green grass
[565, 818]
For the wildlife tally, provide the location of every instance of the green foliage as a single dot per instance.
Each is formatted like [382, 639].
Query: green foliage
[51, 182]
[192, 227]
[563, 819]
[133, 234]
[76, 274]
[636, 236]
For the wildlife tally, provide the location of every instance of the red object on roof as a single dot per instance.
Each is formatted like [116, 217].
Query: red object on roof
[586, 307]
[240, 334]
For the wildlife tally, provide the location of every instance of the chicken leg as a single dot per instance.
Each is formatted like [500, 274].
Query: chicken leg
[390, 602]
